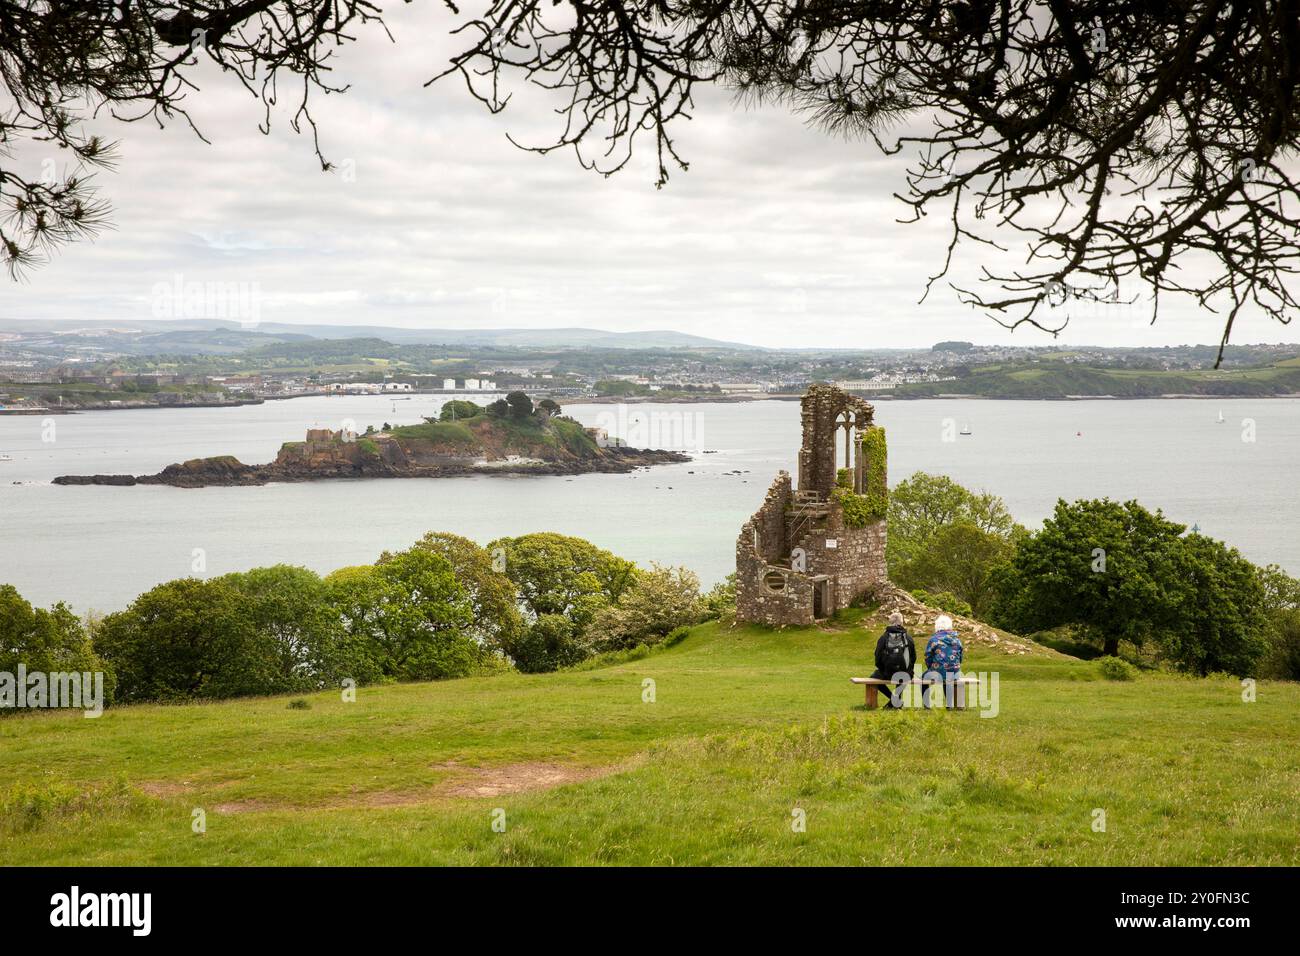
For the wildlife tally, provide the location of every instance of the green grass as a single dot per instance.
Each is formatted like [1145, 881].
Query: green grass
[1057, 379]
[448, 433]
[746, 726]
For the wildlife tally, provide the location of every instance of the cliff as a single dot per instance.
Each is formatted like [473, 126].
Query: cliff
[536, 445]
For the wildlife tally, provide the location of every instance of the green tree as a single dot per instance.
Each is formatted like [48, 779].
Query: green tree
[408, 617]
[359, 598]
[924, 503]
[187, 639]
[499, 409]
[1281, 591]
[51, 641]
[1108, 568]
[458, 408]
[959, 559]
[521, 406]
[1222, 625]
[1282, 605]
[289, 608]
[557, 574]
[492, 595]
[550, 406]
[1283, 660]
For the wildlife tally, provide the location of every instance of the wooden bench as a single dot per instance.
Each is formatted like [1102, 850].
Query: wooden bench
[872, 686]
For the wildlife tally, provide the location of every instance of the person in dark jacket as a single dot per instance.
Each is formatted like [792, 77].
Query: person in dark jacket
[895, 657]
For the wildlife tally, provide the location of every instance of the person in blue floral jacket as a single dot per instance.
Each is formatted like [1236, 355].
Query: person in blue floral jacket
[943, 656]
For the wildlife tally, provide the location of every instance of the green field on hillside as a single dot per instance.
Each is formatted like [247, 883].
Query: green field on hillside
[1059, 379]
[746, 728]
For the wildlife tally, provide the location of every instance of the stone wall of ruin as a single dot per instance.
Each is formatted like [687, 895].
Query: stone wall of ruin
[761, 542]
[820, 408]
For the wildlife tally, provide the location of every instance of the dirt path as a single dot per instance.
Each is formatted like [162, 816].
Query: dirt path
[461, 782]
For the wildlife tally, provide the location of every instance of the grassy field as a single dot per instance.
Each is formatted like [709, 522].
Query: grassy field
[1057, 379]
[746, 728]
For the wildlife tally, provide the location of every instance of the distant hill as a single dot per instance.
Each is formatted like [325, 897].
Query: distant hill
[1048, 380]
[208, 336]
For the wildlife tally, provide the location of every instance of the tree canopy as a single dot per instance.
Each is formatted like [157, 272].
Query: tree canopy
[1108, 567]
[923, 504]
[41, 640]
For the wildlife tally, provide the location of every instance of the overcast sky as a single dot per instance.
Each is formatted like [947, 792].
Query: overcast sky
[777, 235]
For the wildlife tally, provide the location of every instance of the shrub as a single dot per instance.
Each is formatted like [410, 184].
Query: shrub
[944, 601]
[299, 703]
[676, 636]
[861, 510]
[550, 642]
[657, 602]
[51, 641]
[1115, 668]
[720, 601]
[187, 639]
[458, 408]
[1283, 660]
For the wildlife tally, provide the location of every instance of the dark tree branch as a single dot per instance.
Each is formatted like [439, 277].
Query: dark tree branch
[1129, 145]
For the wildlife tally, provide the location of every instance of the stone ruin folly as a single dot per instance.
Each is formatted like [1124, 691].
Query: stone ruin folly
[806, 553]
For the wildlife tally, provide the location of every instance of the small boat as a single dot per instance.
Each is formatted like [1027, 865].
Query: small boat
[6, 458]
[965, 430]
[1221, 416]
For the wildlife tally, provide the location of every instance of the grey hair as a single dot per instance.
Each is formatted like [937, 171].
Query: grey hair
[896, 618]
[943, 623]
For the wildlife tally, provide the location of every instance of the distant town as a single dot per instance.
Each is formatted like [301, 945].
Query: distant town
[63, 369]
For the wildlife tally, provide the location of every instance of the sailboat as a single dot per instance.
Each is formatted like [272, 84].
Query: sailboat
[965, 429]
[1221, 416]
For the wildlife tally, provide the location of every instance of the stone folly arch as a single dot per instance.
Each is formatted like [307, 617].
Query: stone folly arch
[797, 559]
[832, 419]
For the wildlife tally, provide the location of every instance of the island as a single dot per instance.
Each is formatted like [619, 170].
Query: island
[516, 439]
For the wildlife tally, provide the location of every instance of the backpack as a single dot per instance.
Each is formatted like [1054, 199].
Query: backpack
[896, 655]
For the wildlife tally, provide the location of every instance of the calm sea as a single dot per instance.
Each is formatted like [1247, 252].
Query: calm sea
[97, 547]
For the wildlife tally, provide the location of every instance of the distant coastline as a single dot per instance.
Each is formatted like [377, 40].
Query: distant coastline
[873, 396]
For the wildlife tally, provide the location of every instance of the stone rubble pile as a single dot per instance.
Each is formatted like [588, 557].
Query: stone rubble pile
[918, 618]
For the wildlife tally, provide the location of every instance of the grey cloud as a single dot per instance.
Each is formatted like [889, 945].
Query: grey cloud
[777, 235]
